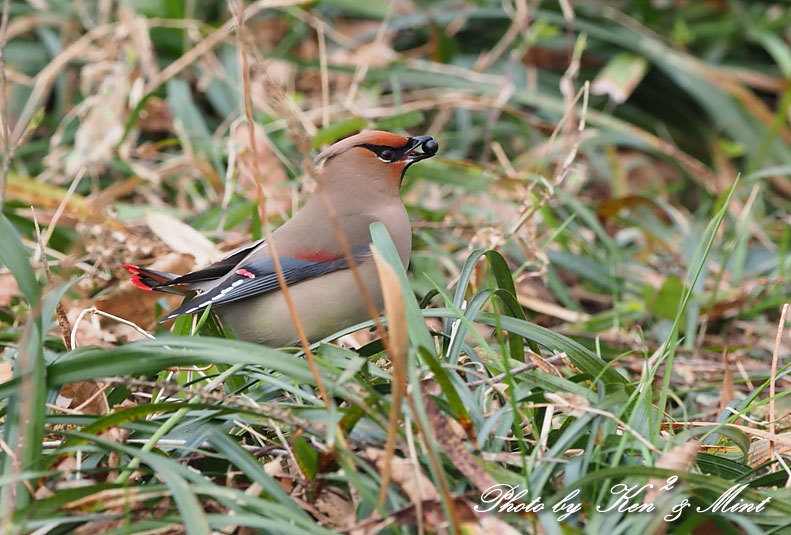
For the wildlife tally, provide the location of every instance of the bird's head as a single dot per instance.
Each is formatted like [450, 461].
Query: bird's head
[377, 154]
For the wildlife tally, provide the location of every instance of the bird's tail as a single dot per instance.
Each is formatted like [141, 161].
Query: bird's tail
[148, 279]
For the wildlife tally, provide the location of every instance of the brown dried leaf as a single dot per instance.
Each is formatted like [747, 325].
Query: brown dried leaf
[275, 469]
[611, 207]
[81, 392]
[551, 309]
[574, 404]
[338, 509]
[156, 116]
[452, 445]
[411, 479]
[679, 458]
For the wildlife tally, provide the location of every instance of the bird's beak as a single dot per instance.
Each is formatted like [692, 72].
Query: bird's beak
[415, 145]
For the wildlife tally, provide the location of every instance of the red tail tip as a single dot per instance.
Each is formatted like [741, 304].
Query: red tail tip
[139, 283]
[135, 278]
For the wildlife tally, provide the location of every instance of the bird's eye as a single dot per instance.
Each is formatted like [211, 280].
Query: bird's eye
[387, 154]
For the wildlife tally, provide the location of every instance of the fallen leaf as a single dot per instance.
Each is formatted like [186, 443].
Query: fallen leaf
[550, 309]
[574, 404]
[611, 207]
[679, 458]
[761, 453]
[182, 238]
[156, 116]
[82, 391]
[452, 445]
[542, 364]
[275, 469]
[338, 509]
[409, 478]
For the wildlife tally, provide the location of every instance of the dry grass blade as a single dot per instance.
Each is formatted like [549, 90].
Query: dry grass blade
[549, 361]
[783, 439]
[520, 19]
[773, 378]
[215, 39]
[48, 75]
[398, 346]
[727, 382]
[6, 132]
[563, 168]
[237, 8]
[280, 103]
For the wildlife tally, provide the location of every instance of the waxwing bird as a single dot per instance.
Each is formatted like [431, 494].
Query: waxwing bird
[361, 176]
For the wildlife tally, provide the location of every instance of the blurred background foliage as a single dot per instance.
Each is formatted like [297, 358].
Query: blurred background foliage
[595, 145]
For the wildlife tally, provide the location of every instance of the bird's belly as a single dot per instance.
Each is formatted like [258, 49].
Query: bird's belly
[325, 305]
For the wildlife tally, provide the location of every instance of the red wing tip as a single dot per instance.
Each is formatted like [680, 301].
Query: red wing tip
[132, 268]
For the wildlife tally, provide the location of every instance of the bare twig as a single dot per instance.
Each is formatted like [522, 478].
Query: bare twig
[519, 369]
[60, 312]
[93, 310]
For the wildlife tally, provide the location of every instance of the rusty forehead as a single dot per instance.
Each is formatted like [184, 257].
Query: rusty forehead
[386, 138]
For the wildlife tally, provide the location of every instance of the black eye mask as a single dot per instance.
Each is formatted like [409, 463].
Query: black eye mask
[407, 152]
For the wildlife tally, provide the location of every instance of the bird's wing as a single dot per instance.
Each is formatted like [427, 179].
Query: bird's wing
[256, 276]
[212, 272]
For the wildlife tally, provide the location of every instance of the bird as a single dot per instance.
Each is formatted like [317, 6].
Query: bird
[361, 176]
